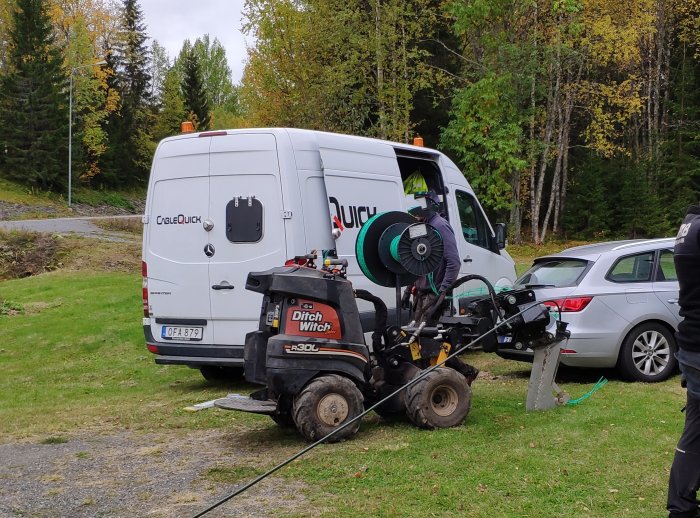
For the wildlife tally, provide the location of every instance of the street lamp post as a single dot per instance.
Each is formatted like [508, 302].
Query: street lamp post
[70, 124]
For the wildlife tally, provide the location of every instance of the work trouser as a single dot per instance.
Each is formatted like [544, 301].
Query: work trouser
[684, 481]
[424, 301]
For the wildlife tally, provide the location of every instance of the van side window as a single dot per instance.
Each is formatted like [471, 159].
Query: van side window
[474, 227]
[244, 220]
[633, 268]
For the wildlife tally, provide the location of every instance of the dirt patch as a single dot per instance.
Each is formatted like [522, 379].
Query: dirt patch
[127, 474]
[23, 254]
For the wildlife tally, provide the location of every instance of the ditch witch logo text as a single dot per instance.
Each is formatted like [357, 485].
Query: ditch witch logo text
[312, 322]
[180, 219]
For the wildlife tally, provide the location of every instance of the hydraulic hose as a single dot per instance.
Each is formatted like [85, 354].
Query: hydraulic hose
[441, 298]
[380, 317]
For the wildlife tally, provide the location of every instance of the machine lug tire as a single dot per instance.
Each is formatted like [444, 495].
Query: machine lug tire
[326, 403]
[649, 344]
[218, 374]
[440, 400]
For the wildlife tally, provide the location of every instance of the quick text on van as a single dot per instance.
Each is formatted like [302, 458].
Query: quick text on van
[180, 219]
[352, 216]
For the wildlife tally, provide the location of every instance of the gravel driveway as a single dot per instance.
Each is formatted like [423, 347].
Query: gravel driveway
[151, 475]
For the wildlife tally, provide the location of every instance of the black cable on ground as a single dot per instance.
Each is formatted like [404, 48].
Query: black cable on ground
[419, 377]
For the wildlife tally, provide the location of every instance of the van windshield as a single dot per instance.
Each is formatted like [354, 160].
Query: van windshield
[554, 273]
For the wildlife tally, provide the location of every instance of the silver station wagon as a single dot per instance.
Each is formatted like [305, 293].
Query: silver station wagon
[620, 300]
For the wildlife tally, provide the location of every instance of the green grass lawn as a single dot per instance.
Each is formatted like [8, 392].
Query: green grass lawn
[73, 361]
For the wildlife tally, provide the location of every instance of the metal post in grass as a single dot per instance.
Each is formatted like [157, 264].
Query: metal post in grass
[70, 124]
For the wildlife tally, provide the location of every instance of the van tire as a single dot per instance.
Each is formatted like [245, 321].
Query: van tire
[324, 405]
[441, 399]
[217, 374]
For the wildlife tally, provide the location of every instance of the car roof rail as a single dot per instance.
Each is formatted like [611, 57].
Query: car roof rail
[643, 242]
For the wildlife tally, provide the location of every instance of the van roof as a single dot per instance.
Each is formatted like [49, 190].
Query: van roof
[340, 136]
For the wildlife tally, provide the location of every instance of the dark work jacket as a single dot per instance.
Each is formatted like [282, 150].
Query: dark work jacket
[448, 271]
[686, 256]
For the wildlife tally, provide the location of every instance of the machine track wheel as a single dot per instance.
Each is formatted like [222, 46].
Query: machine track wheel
[325, 404]
[440, 400]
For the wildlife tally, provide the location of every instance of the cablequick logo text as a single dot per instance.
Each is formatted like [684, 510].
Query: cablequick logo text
[180, 219]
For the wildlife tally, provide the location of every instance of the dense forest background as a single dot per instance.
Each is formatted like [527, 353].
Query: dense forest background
[572, 118]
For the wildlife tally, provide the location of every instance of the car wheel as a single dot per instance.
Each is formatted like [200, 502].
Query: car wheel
[648, 353]
[441, 399]
[221, 374]
[324, 405]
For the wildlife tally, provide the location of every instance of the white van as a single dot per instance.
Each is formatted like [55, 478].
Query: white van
[221, 204]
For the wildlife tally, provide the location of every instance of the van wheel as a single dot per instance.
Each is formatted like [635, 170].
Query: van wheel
[648, 353]
[441, 399]
[324, 405]
[217, 374]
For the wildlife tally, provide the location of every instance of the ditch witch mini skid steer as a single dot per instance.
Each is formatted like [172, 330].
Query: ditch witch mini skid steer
[319, 374]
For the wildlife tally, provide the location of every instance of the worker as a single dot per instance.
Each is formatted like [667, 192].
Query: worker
[426, 290]
[684, 480]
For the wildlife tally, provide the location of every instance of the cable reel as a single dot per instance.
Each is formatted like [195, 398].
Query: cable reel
[393, 249]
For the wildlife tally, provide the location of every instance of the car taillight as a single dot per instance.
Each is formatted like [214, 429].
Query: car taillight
[144, 274]
[568, 305]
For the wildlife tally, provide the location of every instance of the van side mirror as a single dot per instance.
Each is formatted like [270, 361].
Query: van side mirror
[501, 235]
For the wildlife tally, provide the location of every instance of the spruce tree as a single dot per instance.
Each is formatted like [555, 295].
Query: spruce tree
[172, 111]
[130, 148]
[33, 101]
[196, 103]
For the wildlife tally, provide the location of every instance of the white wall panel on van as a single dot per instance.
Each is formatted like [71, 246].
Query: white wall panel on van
[174, 239]
[249, 230]
[355, 195]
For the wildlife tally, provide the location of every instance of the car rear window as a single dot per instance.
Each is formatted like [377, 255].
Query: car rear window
[554, 273]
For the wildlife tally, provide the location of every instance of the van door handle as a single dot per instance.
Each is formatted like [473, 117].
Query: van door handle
[223, 286]
[467, 259]
[673, 301]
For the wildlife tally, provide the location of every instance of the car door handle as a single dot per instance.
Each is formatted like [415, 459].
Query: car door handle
[223, 286]
[467, 259]
[673, 301]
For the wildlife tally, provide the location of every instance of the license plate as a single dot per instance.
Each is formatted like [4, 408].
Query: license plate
[181, 333]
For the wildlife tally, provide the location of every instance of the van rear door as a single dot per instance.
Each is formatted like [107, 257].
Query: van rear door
[246, 209]
[174, 241]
